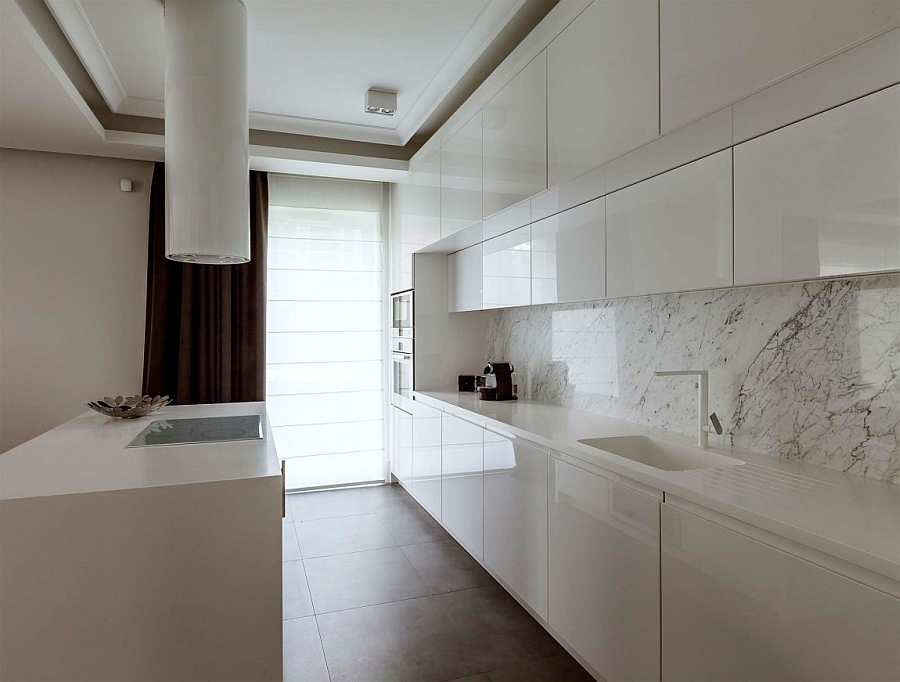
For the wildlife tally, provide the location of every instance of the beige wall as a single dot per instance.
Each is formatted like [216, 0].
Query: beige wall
[73, 264]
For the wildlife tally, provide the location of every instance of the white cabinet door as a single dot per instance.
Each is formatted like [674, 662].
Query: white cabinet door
[515, 517]
[461, 178]
[507, 269]
[401, 260]
[462, 482]
[820, 197]
[420, 215]
[401, 444]
[737, 609]
[602, 86]
[568, 255]
[426, 458]
[465, 271]
[515, 139]
[604, 573]
[713, 53]
[672, 232]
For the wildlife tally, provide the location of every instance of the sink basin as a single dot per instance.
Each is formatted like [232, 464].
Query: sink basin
[661, 454]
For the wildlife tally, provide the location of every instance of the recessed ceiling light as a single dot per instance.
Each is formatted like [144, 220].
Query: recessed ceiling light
[381, 102]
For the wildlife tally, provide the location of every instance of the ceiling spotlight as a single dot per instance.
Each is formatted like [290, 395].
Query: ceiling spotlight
[381, 102]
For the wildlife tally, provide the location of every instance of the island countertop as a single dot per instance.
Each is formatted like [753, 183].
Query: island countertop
[849, 517]
[89, 454]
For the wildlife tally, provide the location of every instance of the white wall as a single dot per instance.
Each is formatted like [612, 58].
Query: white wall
[73, 267]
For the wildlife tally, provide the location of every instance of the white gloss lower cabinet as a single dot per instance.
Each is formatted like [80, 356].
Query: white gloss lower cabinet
[462, 482]
[426, 457]
[737, 609]
[465, 272]
[672, 232]
[568, 255]
[515, 517]
[604, 573]
[820, 197]
[401, 444]
[506, 276]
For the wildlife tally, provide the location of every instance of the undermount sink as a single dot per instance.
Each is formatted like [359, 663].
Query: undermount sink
[661, 454]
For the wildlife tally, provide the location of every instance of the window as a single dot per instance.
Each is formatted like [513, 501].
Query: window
[325, 329]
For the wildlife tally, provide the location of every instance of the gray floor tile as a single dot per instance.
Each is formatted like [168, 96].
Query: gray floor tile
[304, 659]
[330, 504]
[290, 549]
[412, 525]
[445, 566]
[557, 669]
[340, 535]
[484, 677]
[287, 518]
[405, 640]
[296, 601]
[347, 581]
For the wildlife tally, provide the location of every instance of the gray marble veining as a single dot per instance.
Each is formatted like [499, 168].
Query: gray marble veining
[807, 371]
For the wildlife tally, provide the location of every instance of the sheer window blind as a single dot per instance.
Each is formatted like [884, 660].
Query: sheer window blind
[324, 341]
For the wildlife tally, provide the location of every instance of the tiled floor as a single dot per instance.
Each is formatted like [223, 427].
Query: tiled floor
[375, 589]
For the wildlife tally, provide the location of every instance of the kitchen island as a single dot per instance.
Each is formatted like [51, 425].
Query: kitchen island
[141, 563]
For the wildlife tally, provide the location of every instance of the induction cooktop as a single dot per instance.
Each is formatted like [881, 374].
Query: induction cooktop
[199, 430]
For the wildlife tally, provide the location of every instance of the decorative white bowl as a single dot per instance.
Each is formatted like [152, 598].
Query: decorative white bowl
[129, 408]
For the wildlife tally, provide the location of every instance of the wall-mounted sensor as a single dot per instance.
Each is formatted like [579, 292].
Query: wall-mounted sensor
[125, 185]
[381, 102]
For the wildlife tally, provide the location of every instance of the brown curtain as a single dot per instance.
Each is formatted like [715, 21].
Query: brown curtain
[205, 335]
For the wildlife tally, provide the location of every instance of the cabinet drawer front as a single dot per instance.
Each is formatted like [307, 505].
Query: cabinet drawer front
[821, 197]
[604, 572]
[737, 609]
[672, 232]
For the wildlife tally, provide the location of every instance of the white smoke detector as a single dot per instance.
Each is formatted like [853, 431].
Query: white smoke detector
[381, 102]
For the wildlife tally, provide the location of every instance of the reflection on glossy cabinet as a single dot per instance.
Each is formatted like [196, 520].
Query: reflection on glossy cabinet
[465, 270]
[426, 458]
[515, 517]
[401, 444]
[672, 232]
[602, 86]
[462, 482]
[713, 53]
[604, 572]
[507, 269]
[515, 139]
[461, 178]
[821, 197]
[735, 608]
[568, 255]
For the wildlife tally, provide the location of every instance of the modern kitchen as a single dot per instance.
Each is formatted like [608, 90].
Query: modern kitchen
[450, 341]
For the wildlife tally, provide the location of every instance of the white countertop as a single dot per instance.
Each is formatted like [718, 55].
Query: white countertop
[88, 454]
[846, 516]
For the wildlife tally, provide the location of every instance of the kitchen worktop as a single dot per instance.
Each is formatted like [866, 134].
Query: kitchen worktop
[89, 454]
[848, 517]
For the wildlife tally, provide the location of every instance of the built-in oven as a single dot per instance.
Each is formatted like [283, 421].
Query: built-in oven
[401, 378]
[402, 315]
[401, 348]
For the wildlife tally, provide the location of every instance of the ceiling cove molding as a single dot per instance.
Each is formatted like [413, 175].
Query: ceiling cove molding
[70, 16]
[534, 43]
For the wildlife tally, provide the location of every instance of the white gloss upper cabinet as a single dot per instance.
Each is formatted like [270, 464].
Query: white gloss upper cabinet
[604, 572]
[507, 269]
[713, 53]
[515, 139]
[420, 215]
[821, 197]
[735, 608]
[465, 272]
[568, 255]
[462, 482]
[401, 258]
[515, 517]
[602, 86]
[672, 232]
[401, 444]
[426, 457]
[461, 178]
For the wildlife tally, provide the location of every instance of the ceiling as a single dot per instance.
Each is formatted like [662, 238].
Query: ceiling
[311, 63]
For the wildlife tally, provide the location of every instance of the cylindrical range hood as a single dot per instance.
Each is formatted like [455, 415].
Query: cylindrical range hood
[207, 132]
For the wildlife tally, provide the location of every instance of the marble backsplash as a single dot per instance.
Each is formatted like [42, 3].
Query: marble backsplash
[807, 371]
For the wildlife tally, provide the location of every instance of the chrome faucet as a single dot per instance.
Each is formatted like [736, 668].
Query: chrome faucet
[702, 403]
